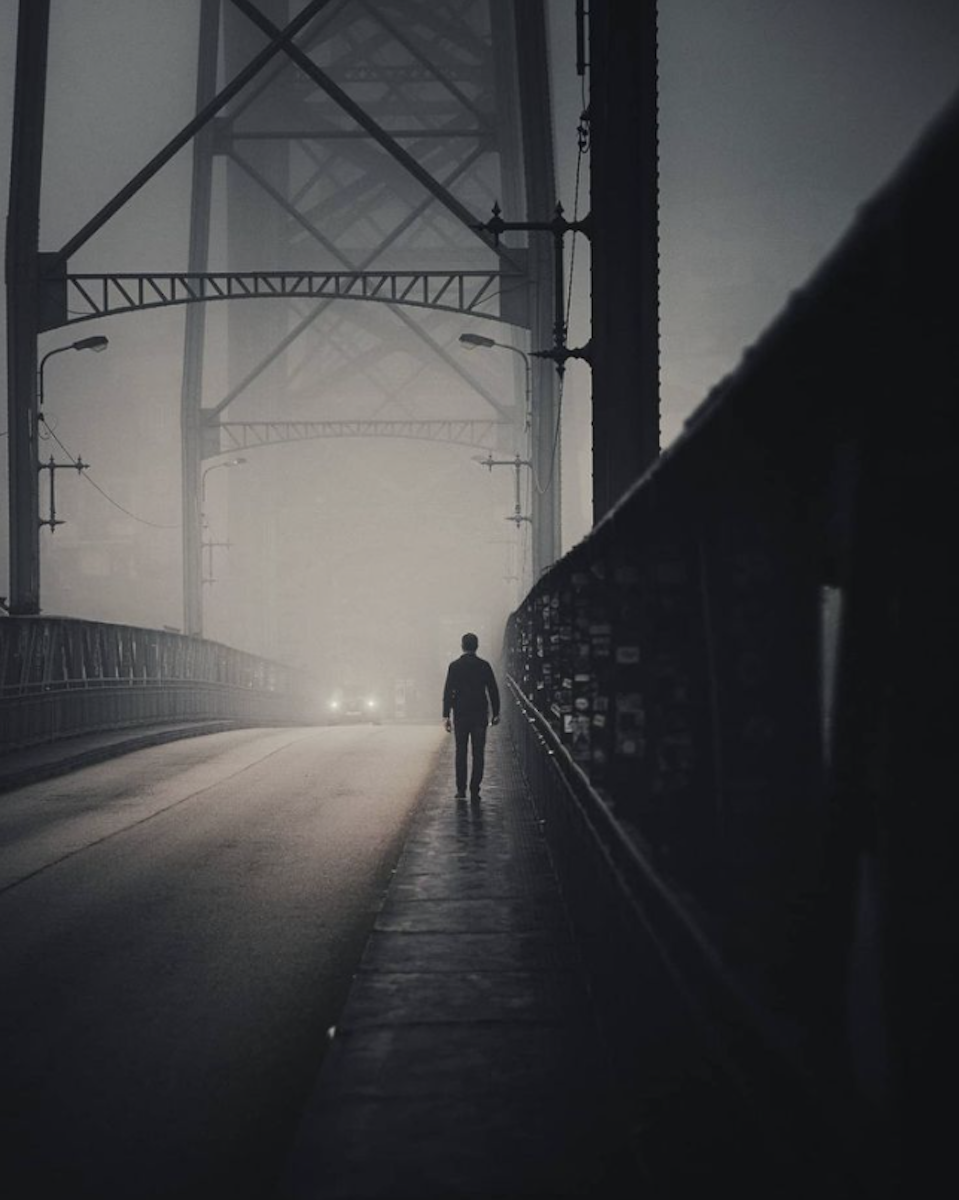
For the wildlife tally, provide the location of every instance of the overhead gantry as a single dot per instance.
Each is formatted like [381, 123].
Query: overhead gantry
[86, 297]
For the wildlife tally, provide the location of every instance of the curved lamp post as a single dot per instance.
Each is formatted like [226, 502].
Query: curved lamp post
[233, 462]
[478, 341]
[481, 342]
[96, 343]
[211, 545]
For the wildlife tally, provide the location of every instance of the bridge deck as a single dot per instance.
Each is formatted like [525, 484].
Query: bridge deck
[467, 1061]
[46, 760]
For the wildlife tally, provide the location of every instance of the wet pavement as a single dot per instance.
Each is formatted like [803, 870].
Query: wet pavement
[466, 1061]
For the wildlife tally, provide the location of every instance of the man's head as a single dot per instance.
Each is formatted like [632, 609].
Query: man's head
[469, 642]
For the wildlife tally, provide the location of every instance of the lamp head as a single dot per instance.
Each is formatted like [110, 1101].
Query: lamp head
[476, 339]
[96, 343]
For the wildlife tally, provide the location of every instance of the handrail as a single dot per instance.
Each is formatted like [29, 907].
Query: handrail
[744, 688]
[645, 884]
[61, 676]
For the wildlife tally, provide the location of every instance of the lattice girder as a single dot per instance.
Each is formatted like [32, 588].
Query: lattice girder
[79, 298]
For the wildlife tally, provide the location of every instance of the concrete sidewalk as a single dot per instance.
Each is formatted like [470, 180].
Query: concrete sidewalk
[466, 1061]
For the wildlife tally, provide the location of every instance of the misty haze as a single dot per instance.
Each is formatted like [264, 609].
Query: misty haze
[349, 342]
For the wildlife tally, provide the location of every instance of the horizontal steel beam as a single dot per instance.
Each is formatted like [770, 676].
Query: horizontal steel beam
[245, 435]
[351, 135]
[410, 73]
[91, 296]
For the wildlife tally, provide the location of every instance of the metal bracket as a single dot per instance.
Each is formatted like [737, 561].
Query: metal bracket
[558, 227]
[52, 466]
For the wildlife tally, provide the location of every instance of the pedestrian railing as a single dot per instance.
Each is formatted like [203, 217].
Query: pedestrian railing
[736, 703]
[60, 677]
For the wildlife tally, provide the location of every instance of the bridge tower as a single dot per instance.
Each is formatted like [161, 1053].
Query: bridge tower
[344, 153]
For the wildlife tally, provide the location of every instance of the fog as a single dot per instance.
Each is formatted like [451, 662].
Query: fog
[363, 559]
[366, 558]
[778, 120]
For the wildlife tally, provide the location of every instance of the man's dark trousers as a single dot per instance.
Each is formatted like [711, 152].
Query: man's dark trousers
[466, 730]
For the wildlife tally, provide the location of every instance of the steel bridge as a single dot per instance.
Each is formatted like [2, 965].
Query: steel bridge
[430, 115]
[734, 702]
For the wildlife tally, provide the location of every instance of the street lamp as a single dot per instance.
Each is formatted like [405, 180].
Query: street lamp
[233, 462]
[478, 341]
[211, 545]
[96, 343]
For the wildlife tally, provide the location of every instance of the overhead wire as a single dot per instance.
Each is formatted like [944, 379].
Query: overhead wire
[93, 483]
[582, 146]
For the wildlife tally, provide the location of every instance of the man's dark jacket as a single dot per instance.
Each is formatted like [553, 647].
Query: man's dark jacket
[469, 681]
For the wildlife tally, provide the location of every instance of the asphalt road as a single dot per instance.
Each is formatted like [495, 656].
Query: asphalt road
[178, 928]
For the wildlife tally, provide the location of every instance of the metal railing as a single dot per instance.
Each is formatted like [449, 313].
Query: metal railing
[734, 701]
[60, 677]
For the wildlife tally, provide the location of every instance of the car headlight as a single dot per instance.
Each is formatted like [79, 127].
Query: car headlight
[371, 704]
[334, 704]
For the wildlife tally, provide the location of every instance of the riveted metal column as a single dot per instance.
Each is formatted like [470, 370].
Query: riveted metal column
[535, 110]
[258, 229]
[191, 394]
[23, 283]
[623, 208]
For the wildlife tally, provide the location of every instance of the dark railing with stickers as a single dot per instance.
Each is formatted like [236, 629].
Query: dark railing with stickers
[736, 706]
[60, 677]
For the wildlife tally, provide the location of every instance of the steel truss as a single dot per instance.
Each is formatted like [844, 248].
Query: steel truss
[378, 161]
[246, 435]
[368, 175]
[463, 292]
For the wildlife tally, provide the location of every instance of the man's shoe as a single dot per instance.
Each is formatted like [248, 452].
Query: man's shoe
[460, 795]
[475, 795]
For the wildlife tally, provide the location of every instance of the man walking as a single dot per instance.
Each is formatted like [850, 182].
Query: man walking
[469, 681]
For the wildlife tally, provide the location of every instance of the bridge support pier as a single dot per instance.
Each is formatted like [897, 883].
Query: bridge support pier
[23, 306]
[624, 246]
[191, 395]
[540, 178]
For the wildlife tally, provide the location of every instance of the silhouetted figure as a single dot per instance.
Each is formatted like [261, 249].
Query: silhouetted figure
[469, 681]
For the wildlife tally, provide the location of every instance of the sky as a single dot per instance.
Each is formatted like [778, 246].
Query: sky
[777, 121]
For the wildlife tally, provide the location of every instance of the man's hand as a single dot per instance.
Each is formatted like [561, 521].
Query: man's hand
[448, 725]
[495, 721]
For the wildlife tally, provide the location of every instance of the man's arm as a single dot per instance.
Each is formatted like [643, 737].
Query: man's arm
[448, 696]
[493, 691]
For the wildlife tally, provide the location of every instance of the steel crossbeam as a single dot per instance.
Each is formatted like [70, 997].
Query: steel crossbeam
[465, 292]
[408, 73]
[245, 435]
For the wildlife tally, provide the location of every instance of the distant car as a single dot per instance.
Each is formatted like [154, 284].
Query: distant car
[350, 706]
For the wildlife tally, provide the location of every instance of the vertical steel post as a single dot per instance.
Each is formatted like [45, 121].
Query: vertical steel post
[623, 210]
[258, 231]
[191, 393]
[535, 110]
[23, 296]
